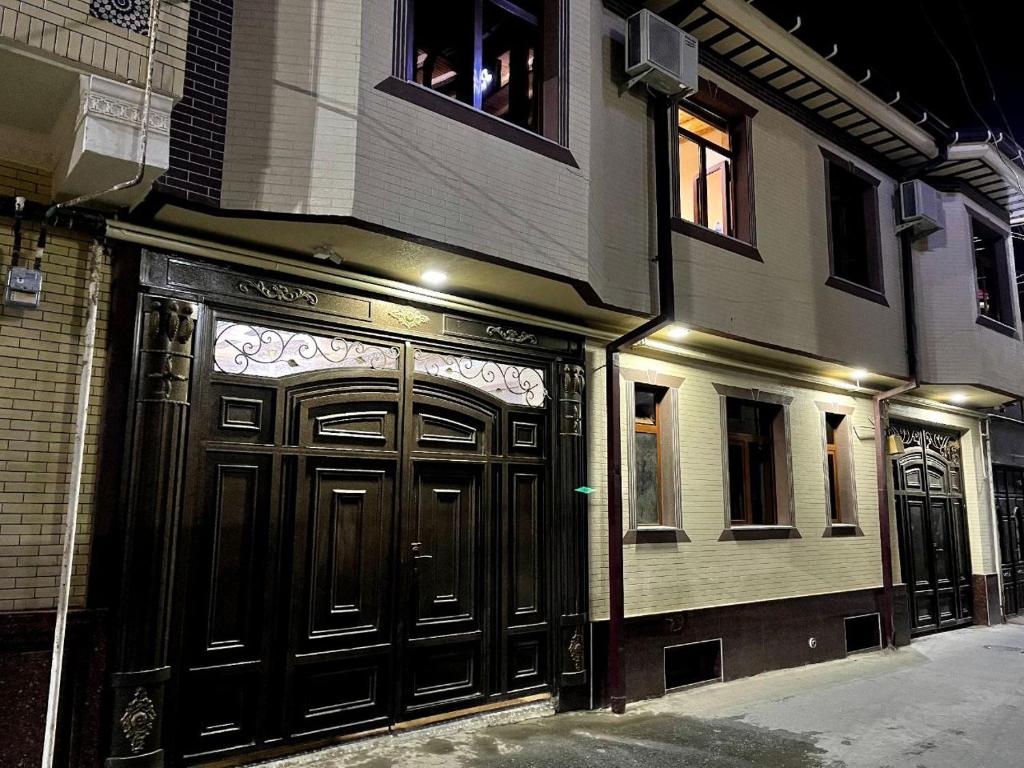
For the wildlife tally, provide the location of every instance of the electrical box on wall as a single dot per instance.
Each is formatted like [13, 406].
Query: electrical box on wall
[24, 287]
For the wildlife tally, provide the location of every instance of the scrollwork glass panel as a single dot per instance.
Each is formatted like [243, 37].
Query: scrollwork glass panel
[513, 384]
[273, 353]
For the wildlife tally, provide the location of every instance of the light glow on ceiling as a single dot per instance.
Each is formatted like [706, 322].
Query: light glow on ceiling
[957, 398]
[434, 277]
[677, 332]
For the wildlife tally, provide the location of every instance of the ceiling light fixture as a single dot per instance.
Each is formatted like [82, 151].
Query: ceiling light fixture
[434, 277]
[859, 373]
[958, 398]
[678, 332]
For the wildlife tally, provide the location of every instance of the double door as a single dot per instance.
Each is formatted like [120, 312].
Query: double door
[366, 539]
[931, 519]
[1009, 489]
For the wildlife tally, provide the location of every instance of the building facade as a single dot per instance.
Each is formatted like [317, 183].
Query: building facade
[352, 451]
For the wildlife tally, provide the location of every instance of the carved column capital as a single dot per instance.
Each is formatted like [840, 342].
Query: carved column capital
[570, 399]
[166, 353]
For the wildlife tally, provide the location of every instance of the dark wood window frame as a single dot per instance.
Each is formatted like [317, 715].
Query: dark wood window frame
[717, 107]
[782, 463]
[552, 141]
[670, 527]
[1006, 277]
[872, 232]
[845, 475]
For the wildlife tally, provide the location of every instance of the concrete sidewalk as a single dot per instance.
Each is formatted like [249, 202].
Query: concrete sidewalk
[950, 700]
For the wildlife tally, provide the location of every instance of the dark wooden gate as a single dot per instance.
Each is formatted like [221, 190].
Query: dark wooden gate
[1009, 488]
[376, 525]
[930, 514]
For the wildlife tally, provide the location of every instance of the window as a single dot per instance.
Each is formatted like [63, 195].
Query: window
[489, 54]
[650, 400]
[648, 485]
[833, 464]
[714, 165]
[751, 447]
[853, 230]
[705, 173]
[991, 275]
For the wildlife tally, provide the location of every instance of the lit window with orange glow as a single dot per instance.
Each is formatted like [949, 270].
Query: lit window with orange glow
[705, 172]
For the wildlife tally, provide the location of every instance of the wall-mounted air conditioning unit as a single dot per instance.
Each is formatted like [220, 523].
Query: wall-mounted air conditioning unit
[660, 54]
[920, 208]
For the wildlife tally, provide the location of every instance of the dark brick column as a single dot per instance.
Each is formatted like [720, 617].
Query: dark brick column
[199, 120]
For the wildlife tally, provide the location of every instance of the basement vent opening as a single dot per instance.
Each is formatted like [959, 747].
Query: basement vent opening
[863, 633]
[693, 663]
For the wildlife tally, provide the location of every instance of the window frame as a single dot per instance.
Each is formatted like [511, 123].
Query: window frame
[722, 110]
[847, 524]
[670, 527]
[654, 428]
[703, 145]
[1006, 276]
[872, 232]
[784, 526]
[551, 141]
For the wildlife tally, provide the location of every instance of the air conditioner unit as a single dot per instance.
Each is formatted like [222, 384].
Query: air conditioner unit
[660, 54]
[920, 208]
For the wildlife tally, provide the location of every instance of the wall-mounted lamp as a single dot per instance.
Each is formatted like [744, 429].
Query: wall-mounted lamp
[894, 445]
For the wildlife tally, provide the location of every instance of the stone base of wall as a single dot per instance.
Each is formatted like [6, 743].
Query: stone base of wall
[26, 643]
[756, 637]
[987, 608]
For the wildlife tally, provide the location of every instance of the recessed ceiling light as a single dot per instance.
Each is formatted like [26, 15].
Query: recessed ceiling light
[958, 397]
[678, 332]
[859, 373]
[434, 277]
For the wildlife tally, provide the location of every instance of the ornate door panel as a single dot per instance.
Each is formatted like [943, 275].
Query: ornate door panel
[934, 553]
[1009, 488]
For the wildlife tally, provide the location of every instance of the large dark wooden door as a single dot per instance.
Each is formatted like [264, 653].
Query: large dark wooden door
[930, 513]
[366, 539]
[1009, 488]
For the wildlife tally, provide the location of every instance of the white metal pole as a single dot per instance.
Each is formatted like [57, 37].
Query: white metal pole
[71, 520]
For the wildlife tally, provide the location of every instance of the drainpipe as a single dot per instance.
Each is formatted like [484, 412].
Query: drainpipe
[881, 417]
[82, 406]
[662, 107]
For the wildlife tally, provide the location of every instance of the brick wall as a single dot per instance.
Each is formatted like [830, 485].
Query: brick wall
[39, 366]
[706, 572]
[198, 121]
[65, 29]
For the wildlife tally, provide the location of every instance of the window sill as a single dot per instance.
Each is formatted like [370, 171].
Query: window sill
[655, 535]
[997, 326]
[759, 532]
[861, 291]
[842, 530]
[474, 118]
[709, 236]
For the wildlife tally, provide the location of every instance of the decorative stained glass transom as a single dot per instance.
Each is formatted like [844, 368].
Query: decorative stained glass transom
[514, 384]
[273, 353]
[132, 15]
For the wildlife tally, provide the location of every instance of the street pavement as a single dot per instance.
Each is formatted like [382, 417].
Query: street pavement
[951, 700]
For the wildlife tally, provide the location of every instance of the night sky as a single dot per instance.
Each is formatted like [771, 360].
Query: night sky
[904, 43]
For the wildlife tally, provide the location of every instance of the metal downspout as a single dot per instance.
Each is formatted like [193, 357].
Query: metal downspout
[662, 108]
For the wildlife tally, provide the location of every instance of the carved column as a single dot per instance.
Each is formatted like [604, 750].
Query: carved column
[150, 525]
[572, 539]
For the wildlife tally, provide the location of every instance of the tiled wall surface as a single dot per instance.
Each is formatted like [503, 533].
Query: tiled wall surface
[39, 367]
[65, 29]
[707, 572]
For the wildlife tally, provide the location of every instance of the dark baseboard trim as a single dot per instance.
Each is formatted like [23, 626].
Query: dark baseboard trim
[655, 536]
[757, 533]
[860, 291]
[474, 118]
[709, 236]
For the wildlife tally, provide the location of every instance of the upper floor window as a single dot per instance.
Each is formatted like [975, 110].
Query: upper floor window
[855, 256]
[705, 173]
[991, 271]
[714, 166]
[493, 55]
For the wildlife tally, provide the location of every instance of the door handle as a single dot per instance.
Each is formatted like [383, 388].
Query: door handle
[416, 547]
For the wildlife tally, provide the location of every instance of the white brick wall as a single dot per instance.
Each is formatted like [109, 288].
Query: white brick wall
[707, 572]
[953, 348]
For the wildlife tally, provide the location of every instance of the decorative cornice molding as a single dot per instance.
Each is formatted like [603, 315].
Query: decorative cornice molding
[278, 291]
[99, 105]
[511, 335]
